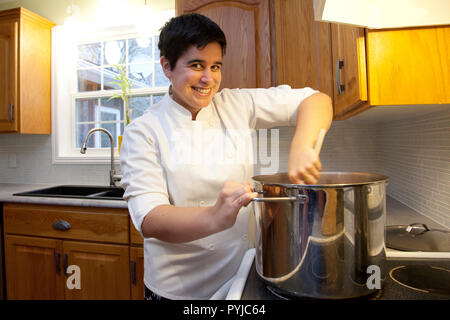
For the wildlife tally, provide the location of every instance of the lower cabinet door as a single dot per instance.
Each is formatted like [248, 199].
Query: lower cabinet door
[137, 273]
[33, 268]
[96, 271]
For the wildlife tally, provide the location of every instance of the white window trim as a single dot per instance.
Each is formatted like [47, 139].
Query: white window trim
[117, 123]
[64, 84]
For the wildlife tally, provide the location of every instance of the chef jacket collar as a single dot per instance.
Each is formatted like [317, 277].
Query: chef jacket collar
[203, 115]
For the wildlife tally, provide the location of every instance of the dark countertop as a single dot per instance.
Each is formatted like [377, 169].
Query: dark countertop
[255, 288]
[8, 189]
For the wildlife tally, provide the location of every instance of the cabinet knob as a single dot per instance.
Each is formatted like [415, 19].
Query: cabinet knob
[61, 225]
[339, 66]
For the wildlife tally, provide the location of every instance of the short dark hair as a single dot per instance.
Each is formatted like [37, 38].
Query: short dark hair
[179, 33]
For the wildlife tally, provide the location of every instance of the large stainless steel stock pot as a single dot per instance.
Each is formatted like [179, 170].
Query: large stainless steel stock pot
[319, 240]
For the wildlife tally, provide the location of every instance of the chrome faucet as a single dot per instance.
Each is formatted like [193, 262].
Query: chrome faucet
[113, 178]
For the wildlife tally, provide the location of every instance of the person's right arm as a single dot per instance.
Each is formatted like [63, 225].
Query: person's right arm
[179, 224]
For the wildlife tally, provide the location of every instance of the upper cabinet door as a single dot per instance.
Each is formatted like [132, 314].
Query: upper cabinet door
[409, 66]
[349, 69]
[303, 47]
[8, 75]
[25, 67]
[247, 62]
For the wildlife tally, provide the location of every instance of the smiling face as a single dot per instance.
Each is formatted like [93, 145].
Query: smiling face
[196, 76]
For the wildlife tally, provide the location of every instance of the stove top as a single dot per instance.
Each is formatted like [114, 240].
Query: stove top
[411, 279]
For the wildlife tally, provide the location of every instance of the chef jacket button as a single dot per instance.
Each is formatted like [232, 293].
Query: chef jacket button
[202, 203]
[212, 123]
[244, 237]
[211, 246]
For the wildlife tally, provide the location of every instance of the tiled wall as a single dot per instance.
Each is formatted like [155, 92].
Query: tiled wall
[34, 163]
[413, 151]
[345, 148]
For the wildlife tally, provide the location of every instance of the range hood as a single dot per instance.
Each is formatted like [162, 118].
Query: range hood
[383, 14]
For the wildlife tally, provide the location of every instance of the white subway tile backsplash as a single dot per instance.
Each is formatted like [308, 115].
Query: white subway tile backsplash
[34, 163]
[418, 163]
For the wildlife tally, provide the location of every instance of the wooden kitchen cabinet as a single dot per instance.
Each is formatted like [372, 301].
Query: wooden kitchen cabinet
[25, 66]
[409, 66]
[348, 72]
[302, 47]
[329, 58]
[136, 264]
[105, 272]
[37, 255]
[367, 67]
[297, 50]
[135, 236]
[356, 67]
[33, 270]
[137, 273]
[247, 62]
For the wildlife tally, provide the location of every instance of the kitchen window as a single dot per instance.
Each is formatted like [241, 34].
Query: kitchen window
[96, 74]
[83, 71]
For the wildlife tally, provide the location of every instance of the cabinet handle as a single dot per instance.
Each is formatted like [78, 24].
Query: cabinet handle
[65, 258]
[61, 225]
[58, 269]
[339, 65]
[11, 113]
[133, 272]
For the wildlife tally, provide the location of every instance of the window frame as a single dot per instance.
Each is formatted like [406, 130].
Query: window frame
[62, 116]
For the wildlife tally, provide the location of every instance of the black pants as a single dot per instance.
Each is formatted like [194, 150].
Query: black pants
[150, 295]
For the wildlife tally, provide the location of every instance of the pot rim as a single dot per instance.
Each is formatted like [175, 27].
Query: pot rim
[358, 179]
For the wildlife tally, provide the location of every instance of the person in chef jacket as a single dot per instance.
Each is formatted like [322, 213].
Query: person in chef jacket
[187, 162]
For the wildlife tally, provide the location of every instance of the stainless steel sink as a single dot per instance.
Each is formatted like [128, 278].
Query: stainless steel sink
[80, 192]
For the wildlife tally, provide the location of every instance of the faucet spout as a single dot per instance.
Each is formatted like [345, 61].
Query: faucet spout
[84, 147]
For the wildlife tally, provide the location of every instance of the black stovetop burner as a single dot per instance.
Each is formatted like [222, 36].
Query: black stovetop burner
[282, 296]
[424, 279]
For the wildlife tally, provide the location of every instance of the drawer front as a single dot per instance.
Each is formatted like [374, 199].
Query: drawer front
[64, 222]
[135, 236]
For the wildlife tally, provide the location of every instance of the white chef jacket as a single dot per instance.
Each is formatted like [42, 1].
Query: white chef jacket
[168, 158]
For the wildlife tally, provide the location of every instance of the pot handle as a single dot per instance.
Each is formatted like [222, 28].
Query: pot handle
[300, 198]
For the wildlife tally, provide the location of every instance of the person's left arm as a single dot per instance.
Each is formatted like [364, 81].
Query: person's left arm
[314, 113]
